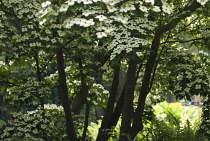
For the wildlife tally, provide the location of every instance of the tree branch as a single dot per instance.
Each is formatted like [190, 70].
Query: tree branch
[155, 68]
[14, 21]
[47, 63]
[181, 15]
[181, 41]
[7, 82]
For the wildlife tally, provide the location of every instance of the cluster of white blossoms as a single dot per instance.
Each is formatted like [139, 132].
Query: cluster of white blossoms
[204, 53]
[156, 9]
[166, 7]
[32, 124]
[124, 41]
[98, 95]
[150, 1]
[101, 17]
[127, 7]
[2, 63]
[45, 4]
[78, 21]
[121, 18]
[86, 2]
[101, 34]
[202, 2]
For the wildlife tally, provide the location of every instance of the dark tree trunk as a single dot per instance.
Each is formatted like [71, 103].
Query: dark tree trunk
[103, 133]
[87, 112]
[64, 96]
[137, 121]
[127, 110]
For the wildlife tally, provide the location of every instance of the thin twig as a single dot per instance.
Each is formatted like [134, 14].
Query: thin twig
[181, 41]
[47, 63]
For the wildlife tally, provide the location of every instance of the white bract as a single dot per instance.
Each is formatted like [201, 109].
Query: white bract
[127, 7]
[64, 7]
[166, 8]
[42, 22]
[70, 2]
[111, 8]
[86, 23]
[139, 54]
[121, 19]
[101, 17]
[202, 2]
[150, 1]
[156, 9]
[45, 4]
[143, 8]
[87, 1]
[101, 34]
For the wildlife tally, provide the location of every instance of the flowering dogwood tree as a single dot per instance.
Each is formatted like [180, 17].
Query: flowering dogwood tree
[92, 33]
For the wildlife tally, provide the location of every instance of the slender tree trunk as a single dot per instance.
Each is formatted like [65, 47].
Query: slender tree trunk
[64, 96]
[117, 111]
[127, 111]
[137, 121]
[103, 133]
[86, 121]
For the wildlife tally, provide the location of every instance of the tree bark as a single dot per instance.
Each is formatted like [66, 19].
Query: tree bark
[64, 96]
[137, 121]
[103, 133]
[127, 110]
[87, 112]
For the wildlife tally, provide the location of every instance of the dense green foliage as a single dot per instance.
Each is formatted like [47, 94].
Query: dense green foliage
[66, 64]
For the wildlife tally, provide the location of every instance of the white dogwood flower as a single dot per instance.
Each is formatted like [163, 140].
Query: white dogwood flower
[45, 4]
[101, 34]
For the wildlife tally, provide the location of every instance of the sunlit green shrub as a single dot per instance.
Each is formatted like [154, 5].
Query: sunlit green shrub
[173, 122]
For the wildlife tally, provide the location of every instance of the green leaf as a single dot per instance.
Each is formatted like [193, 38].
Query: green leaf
[2, 123]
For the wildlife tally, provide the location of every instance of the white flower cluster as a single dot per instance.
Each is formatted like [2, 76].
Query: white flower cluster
[45, 4]
[204, 53]
[101, 34]
[124, 41]
[166, 7]
[128, 6]
[156, 9]
[53, 106]
[121, 18]
[101, 17]
[98, 95]
[143, 8]
[104, 31]
[32, 124]
[78, 21]
[202, 2]
[2, 63]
